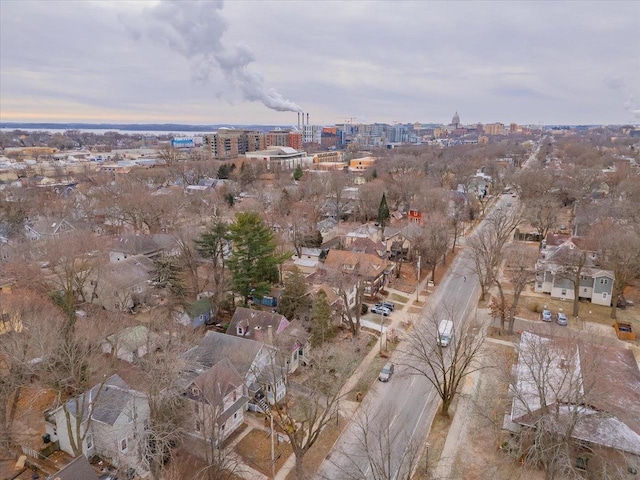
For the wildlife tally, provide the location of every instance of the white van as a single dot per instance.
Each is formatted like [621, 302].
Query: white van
[445, 332]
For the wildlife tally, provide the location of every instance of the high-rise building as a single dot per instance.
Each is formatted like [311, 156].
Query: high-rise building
[228, 143]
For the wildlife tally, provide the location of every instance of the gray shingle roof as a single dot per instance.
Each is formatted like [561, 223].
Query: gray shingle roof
[78, 469]
[105, 402]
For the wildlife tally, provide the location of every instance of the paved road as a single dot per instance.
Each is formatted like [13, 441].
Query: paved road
[402, 409]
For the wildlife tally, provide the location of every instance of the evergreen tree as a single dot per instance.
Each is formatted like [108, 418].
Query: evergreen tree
[383, 214]
[297, 173]
[321, 327]
[213, 243]
[254, 261]
[294, 301]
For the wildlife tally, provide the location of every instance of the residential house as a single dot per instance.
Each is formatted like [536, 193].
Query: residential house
[218, 399]
[323, 278]
[309, 259]
[589, 390]
[291, 340]
[112, 420]
[368, 230]
[372, 270]
[366, 245]
[257, 363]
[199, 313]
[77, 469]
[122, 285]
[130, 344]
[132, 245]
[398, 241]
[44, 228]
[555, 272]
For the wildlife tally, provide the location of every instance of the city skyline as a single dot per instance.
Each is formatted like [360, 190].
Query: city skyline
[243, 62]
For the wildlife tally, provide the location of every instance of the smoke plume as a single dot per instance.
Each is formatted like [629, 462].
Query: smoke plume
[195, 30]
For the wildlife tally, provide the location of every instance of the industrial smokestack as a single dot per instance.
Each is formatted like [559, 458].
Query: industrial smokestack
[303, 120]
[298, 120]
[307, 119]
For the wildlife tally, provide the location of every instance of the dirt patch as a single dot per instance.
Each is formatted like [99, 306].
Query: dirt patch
[436, 440]
[255, 450]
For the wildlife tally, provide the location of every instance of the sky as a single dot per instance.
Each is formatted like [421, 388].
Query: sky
[260, 62]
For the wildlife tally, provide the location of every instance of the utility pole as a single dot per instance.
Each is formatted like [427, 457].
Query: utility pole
[273, 450]
[418, 285]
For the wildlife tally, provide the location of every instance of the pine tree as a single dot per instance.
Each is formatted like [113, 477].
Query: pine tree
[254, 261]
[294, 301]
[321, 327]
[297, 173]
[383, 214]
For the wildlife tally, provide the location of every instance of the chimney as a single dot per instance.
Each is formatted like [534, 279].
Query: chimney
[303, 120]
[298, 120]
[307, 119]
[269, 335]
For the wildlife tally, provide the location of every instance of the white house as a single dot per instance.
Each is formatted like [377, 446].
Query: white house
[113, 420]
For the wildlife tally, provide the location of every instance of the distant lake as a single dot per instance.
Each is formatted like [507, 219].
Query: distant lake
[102, 131]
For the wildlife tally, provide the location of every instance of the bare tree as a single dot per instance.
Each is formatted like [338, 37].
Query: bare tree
[487, 244]
[378, 450]
[519, 271]
[432, 245]
[28, 327]
[306, 410]
[162, 371]
[542, 213]
[336, 183]
[445, 367]
[563, 400]
[620, 247]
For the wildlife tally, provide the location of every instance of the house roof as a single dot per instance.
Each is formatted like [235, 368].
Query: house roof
[366, 245]
[364, 231]
[77, 469]
[363, 264]
[255, 323]
[165, 241]
[128, 272]
[50, 226]
[199, 307]
[132, 338]
[216, 346]
[600, 383]
[136, 245]
[218, 381]
[104, 402]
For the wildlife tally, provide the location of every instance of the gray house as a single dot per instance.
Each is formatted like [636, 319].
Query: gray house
[113, 419]
[557, 271]
[256, 362]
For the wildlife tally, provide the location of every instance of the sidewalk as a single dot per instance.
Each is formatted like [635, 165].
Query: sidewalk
[348, 408]
[464, 408]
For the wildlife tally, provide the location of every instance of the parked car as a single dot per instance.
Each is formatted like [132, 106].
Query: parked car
[381, 310]
[386, 372]
[546, 315]
[386, 304]
[562, 319]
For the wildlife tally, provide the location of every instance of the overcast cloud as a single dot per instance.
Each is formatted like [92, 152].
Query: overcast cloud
[259, 62]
